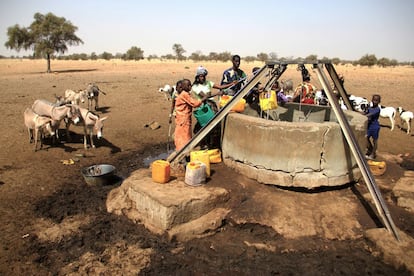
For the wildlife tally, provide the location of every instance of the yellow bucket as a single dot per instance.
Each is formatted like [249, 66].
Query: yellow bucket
[377, 167]
[268, 100]
[203, 156]
[160, 170]
[215, 156]
[239, 107]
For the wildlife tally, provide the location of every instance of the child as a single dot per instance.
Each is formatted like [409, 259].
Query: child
[373, 113]
[184, 105]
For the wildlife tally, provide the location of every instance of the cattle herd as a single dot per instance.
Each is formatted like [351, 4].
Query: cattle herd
[44, 117]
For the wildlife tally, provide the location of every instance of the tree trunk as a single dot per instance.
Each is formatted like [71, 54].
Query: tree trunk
[48, 63]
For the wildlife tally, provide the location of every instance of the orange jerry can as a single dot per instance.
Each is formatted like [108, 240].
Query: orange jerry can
[160, 171]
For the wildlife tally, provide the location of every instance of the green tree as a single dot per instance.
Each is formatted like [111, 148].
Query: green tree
[383, 62]
[250, 58]
[273, 55]
[368, 60]
[213, 56]
[263, 57]
[393, 62]
[312, 58]
[46, 35]
[94, 56]
[150, 57]
[196, 56]
[336, 60]
[179, 51]
[224, 56]
[134, 53]
[106, 56]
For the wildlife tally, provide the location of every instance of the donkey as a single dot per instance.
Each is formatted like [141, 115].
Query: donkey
[90, 122]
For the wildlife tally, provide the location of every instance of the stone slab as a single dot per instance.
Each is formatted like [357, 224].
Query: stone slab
[161, 207]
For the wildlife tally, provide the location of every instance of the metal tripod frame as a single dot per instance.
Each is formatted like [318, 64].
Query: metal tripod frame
[273, 70]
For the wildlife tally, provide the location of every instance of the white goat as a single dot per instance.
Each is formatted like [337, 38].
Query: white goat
[359, 103]
[168, 91]
[405, 117]
[75, 97]
[388, 112]
[37, 127]
[90, 122]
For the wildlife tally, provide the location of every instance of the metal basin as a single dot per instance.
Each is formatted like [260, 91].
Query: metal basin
[102, 174]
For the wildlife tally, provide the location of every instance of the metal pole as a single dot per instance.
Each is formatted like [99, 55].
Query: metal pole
[341, 90]
[177, 156]
[359, 157]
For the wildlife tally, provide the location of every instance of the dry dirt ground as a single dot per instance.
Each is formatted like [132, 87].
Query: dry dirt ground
[52, 223]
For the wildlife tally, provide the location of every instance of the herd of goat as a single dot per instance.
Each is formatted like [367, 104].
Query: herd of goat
[44, 117]
[360, 104]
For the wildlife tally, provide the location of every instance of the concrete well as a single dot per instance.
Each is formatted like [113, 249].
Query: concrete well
[297, 146]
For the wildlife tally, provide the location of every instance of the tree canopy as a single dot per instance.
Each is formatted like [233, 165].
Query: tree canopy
[46, 35]
[134, 53]
[179, 51]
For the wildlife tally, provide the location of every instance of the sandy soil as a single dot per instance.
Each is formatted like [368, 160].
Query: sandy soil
[52, 223]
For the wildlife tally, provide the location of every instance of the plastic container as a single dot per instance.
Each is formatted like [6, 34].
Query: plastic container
[239, 107]
[215, 156]
[161, 171]
[203, 156]
[195, 173]
[268, 100]
[377, 167]
[204, 114]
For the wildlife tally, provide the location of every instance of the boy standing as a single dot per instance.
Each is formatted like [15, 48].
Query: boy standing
[184, 105]
[373, 113]
[233, 74]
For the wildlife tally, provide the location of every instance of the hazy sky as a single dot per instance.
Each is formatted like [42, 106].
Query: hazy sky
[345, 29]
